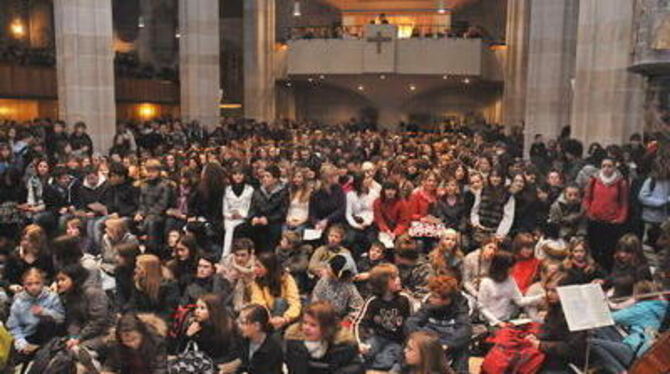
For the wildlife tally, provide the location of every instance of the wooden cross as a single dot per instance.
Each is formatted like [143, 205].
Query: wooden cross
[379, 39]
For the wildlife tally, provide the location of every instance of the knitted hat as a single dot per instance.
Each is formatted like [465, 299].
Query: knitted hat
[341, 266]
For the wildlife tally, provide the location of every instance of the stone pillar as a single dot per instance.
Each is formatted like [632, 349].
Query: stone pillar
[607, 105]
[199, 65]
[516, 62]
[551, 61]
[259, 67]
[85, 67]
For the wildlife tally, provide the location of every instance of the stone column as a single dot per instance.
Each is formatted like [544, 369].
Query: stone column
[551, 61]
[199, 65]
[85, 67]
[516, 62]
[259, 66]
[607, 105]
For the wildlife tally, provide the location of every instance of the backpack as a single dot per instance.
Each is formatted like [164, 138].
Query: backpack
[180, 320]
[512, 353]
[54, 357]
[192, 361]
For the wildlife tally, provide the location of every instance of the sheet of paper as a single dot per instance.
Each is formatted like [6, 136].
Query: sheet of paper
[585, 307]
[312, 234]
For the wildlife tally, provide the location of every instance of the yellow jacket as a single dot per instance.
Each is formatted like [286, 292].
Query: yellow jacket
[289, 291]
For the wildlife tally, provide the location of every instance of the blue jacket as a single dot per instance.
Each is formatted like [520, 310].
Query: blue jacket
[643, 320]
[655, 202]
[22, 323]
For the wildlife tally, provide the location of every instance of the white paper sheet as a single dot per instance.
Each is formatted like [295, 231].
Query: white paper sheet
[585, 307]
[312, 234]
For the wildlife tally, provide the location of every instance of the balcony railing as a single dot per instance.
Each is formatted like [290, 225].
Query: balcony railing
[405, 31]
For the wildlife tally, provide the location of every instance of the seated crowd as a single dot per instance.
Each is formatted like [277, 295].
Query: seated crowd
[315, 249]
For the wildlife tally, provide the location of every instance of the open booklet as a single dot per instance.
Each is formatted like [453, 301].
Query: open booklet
[585, 307]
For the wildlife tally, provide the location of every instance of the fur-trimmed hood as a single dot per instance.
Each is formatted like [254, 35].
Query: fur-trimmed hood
[154, 324]
[343, 335]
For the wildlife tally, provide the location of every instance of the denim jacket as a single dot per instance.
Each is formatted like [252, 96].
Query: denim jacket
[22, 323]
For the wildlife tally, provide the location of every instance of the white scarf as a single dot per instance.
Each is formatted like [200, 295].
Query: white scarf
[316, 349]
[609, 180]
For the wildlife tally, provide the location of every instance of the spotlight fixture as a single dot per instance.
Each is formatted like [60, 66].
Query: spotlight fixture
[18, 29]
[289, 84]
[412, 87]
[466, 80]
[360, 87]
[440, 7]
[382, 77]
[445, 77]
[177, 35]
[310, 80]
[296, 9]
[322, 76]
[140, 22]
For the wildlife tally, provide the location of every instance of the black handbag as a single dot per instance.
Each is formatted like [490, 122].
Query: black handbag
[192, 361]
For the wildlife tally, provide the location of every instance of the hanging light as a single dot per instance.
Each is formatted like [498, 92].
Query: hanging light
[140, 22]
[440, 7]
[296, 9]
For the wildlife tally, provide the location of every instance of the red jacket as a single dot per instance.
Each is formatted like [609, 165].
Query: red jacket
[419, 204]
[391, 216]
[606, 202]
[524, 272]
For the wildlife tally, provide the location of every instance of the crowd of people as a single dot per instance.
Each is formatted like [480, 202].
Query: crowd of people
[322, 249]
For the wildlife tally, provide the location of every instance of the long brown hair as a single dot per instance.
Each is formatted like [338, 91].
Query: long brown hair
[324, 313]
[302, 193]
[438, 255]
[150, 281]
[218, 318]
[433, 357]
[36, 237]
[632, 244]
[575, 243]
[274, 273]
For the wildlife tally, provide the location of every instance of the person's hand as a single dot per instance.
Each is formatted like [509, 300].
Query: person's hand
[193, 329]
[37, 310]
[534, 341]
[278, 322]
[15, 288]
[364, 348]
[71, 343]
[62, 210]
[138, 217]
[89, 214]
[29, 349]
[263, 221]
[321, 225]
[362, 277]
[254, 221]
[324, 273]
[236, 215]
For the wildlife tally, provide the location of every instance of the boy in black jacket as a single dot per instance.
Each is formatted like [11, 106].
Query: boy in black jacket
[379, 326]
[446, 313]
[267, 213]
